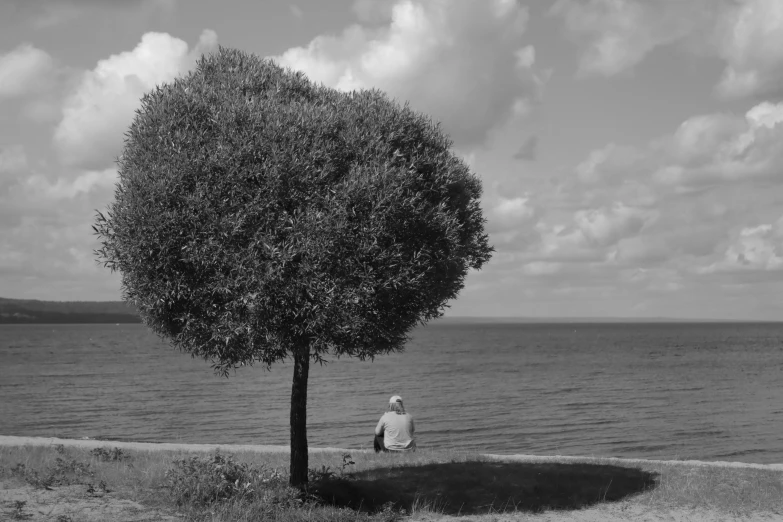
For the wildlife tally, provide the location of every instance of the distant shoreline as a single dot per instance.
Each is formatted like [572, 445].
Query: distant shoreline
[31, 311]
[28, 311]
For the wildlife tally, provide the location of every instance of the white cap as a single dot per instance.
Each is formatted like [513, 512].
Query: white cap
[395, 398]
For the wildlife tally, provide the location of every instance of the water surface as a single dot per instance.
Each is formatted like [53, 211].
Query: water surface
[703, 391]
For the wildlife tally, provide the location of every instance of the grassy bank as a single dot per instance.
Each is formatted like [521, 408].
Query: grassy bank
[165, 485]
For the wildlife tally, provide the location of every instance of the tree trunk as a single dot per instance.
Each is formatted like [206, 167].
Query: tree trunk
[299, 417]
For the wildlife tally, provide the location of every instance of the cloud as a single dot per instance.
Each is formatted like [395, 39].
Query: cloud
[527, 151]
[96, 114]
[704, 151]
[46, 241]
[663, 208]
[638, 221]
[511, 213]
[465, 63]
[606, 226]
[296, 11]
[587, 236]
[720, 148]
[617, 34]
[23, 70]
[758, 248]
[538, 268]
[750, 39]
[39, 186]
[608, 164]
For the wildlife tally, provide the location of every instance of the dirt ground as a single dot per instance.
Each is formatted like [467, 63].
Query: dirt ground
[71, 504]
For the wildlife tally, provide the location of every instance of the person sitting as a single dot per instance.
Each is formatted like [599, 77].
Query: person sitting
[395, 430]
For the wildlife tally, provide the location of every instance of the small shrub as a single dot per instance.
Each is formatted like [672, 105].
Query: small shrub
[110, 455]
[18, 512]
[64, 471]
[316, 475]
[326, 473]
[200, 482]
[63, 467]
[347, 461]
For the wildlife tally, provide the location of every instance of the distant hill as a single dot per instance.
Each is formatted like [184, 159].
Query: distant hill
[20, 311]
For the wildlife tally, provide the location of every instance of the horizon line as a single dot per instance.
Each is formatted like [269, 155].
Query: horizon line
[516, 318]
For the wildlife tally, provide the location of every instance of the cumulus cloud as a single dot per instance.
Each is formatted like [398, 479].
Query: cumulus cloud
[705, 150]
[463, 62]
[722, 148]
[23, 70]
[618, 34]
[511, 213]
[750, 39]
[663, 208]
[758, 248]
[46, 241]
[605, 226]
[588, 235]
[102, 106]
[40, 187]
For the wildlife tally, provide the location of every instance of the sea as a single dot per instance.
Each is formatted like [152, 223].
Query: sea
[707, 391]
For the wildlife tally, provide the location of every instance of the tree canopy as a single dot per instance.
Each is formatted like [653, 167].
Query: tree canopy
[258, 216]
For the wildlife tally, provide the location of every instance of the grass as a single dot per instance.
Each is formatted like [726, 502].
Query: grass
[371, 487]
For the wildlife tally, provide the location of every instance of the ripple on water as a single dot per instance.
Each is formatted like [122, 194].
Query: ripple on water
[640, 391]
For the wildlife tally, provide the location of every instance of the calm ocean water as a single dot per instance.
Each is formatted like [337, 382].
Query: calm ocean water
[703, 391]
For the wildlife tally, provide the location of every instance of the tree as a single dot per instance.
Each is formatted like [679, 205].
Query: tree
[259, 216]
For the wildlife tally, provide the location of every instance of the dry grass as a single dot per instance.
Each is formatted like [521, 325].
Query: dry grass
[426, 484]
[736, 491]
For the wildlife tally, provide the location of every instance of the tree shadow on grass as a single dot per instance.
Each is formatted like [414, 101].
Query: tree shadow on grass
[465, 488]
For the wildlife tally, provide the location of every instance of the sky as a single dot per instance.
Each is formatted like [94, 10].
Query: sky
[630, 150]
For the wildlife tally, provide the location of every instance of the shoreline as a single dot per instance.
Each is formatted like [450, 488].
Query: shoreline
[14, 441]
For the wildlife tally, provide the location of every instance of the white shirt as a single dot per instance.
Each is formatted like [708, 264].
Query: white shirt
[397, 430]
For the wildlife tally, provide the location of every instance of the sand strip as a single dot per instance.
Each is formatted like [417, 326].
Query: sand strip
[615, 460]
[260, 448]
[153, 446]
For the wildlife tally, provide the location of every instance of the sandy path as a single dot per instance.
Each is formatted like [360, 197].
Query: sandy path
[6, 440]
[614, 460]
[261, 448]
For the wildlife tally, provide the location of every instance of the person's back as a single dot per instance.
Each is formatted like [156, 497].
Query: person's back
[396, 427]
[397, 431]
